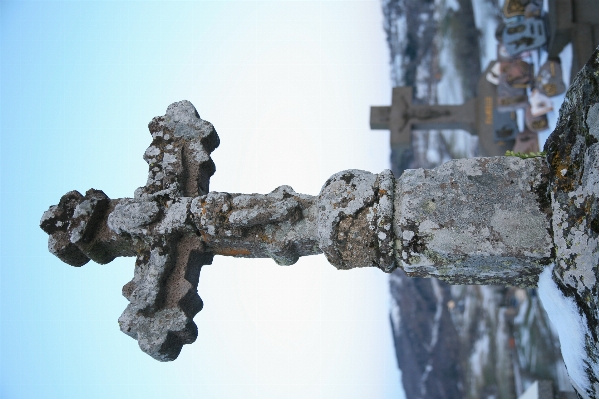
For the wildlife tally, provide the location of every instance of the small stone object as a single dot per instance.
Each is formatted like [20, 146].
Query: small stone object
[527, 142]
[533, 9]
[505, 126]
[510, 98]
[514, 8]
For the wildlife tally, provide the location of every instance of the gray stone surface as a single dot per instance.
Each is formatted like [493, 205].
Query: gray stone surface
[280, 225]
[174, 226]
[155, 226]
[355, 211]
[474, 221]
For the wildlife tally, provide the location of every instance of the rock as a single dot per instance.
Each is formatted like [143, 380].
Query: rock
[573, 155]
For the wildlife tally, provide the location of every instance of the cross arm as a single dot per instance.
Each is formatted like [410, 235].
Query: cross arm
[350, 221]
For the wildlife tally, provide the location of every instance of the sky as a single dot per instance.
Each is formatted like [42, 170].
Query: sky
[288, 86]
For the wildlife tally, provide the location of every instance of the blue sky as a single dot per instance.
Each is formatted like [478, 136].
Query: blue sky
[288, 87]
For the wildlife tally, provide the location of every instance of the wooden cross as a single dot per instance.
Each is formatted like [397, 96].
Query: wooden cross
[478, 116]
[403, 116]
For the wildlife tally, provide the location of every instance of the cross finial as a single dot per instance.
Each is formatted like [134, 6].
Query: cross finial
[179, 156]
[152, 226]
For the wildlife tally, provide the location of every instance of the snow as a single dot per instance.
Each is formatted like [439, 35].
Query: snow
[401, 26]
[438, 313]
[571, 328]
[532, 392]
[485, 17]
[520, 119]
[449, 88]
[395, 314]
[479, 356]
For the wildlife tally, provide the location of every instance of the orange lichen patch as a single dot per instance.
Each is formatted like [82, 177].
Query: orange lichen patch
[233, 251]
[265, 238]
[582, 219]
[205, 236]
[563, 171]
[382, 191]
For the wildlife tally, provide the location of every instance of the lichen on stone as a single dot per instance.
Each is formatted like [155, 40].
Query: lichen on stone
[573, 153]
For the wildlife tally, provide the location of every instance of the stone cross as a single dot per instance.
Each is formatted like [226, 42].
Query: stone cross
[489, 215]
[498, 220]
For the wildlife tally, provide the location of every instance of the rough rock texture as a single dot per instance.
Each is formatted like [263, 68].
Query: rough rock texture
[498, 337]
[179, 156]
[573, 154]
[355, 212]
[153, 227]
[163, 293]
[280, 225]
[78, 231]
[474, 221]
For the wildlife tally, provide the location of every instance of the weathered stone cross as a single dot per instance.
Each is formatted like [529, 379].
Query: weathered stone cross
[493, 220]
[470, 221]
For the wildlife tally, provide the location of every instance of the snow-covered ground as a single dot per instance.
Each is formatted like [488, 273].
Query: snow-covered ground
[571, 328]
[449, 90]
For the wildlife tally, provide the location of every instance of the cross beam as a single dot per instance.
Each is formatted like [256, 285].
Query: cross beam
[403, 116]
